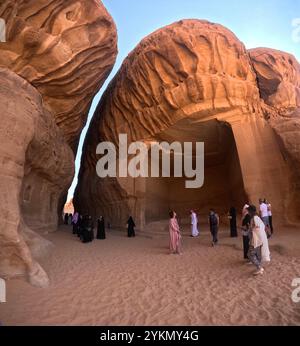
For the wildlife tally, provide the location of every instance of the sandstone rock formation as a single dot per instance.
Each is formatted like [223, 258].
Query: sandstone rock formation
[278, 76]
[56, 56]
[36, 165]
[64, 48]
[193, 81]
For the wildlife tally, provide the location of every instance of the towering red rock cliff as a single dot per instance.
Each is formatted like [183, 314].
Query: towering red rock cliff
[56, 56]
[36, 165]
[278, 75]
[65, 49]
[190, 81]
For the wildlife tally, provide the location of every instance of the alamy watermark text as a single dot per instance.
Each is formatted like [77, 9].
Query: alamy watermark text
[134, 161]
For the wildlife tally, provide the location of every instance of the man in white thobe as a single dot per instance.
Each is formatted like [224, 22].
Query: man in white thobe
[194, 224]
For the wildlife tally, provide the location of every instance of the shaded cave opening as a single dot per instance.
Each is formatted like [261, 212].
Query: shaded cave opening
[223, 181]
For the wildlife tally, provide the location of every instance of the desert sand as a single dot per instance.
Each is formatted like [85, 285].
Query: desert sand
[135, 281]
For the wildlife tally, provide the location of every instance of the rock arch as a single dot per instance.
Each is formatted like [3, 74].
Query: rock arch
[194, 70]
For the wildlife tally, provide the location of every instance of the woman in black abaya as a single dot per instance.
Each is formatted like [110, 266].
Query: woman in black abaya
[232, 217]
[130, 227]
[101, 228]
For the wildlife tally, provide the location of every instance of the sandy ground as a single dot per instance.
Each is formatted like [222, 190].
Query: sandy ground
[134, 281]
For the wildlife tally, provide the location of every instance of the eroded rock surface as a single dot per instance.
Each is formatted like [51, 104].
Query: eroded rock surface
[65, 49]
[55, 58]
[35, 158]
[278, 76]
[190, 81]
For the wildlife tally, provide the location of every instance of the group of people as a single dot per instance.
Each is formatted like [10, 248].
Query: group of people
[68, 219]
[83, 227]
[175, 234]
[265, 209]
[213, 221]
[214, 224]
[256, 229]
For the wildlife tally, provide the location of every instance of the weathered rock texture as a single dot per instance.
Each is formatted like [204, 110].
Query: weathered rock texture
[278, 76]
[36, 162]
[56, 56]
[64, 48]
[194, 81]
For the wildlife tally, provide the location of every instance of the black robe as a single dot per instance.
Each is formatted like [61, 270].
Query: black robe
[130, 227]
[79, 226]
[246, 239]
[75, 226]
[87, 233]
[233, 228]
[101, 229]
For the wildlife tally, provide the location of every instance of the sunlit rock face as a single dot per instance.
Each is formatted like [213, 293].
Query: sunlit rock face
[190, 81]
[278, 75]
[54, 57]
[65, 49]
[36, 165]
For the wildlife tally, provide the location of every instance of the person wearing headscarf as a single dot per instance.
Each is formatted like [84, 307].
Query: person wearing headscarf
[87, 234]
[66, 218]
[130, 227]
[232, 218]
[79, 226]
[74, 222]
[101, 228]
[246, 234]
[175, 236]
[194, 224]
[70, 217]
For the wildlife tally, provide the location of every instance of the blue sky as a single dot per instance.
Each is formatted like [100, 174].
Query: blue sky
[257, 23]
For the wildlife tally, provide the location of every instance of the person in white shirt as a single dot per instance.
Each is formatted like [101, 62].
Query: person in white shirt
[259, 248]
[263, 208]
[245, 209]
